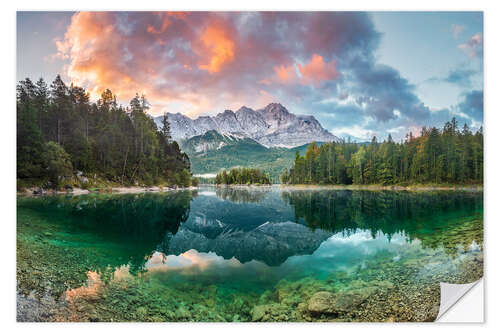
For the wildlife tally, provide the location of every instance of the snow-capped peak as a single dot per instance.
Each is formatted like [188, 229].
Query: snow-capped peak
[272, 126]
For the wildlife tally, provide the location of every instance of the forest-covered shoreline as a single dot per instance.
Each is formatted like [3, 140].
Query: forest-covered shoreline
[447, 156]
[65, 140]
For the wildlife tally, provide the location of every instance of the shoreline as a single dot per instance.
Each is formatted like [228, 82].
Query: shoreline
[372, 187]
[113, 190]
[471, 188]
[305, 187]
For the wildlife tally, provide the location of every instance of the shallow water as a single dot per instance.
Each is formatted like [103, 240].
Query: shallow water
[226, 254]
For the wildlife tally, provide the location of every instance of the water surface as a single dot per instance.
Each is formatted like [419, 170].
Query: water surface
[227, 254]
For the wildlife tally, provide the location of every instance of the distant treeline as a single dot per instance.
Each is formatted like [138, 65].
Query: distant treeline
[437, 156]
[59, 131]
[242, 176]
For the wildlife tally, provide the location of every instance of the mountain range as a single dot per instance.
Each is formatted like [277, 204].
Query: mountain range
[211, 152]
[272, 126]
[266, 138]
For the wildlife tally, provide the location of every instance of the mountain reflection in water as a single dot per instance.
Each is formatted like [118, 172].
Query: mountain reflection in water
[248, 239]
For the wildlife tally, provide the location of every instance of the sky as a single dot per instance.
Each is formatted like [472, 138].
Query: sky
[359, 73]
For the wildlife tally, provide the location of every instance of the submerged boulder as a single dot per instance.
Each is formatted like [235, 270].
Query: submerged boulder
[347, 301]
[273, 312]
[259, 312]
[325, 302]
[322, 302]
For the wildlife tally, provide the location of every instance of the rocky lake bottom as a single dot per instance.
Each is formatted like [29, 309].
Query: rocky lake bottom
[222, 254]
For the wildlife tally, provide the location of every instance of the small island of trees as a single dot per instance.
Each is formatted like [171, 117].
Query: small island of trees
[242, 176]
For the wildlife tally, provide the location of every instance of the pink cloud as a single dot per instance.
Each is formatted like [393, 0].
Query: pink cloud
[456, 30]
[474, 46]
[317, 70]
[285, 74]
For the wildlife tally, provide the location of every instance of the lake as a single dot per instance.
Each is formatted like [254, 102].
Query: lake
[245, 254]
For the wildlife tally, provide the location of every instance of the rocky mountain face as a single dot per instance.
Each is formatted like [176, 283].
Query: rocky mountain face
[272, 126]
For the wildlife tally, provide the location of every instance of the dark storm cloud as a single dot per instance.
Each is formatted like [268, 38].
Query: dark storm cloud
[383, 91]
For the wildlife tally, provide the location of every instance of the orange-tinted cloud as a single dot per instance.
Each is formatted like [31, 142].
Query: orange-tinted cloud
[314, 72]
[285, 74]
[90, 42]
[164, 26]
[166, 20]
[218, 46]
[317, 70]
[200, 62]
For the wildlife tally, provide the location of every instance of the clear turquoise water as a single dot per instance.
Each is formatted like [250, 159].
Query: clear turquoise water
[227, 254]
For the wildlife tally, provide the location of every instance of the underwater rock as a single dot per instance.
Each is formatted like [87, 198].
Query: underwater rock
[325, 302]
[273, 312]
[293, 293]
[346, 301]
[182, 313]
[259, 312]
[322, 302]
[383, 284]
[141, 311]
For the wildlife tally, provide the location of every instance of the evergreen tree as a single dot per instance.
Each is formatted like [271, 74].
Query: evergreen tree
[165, 128]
